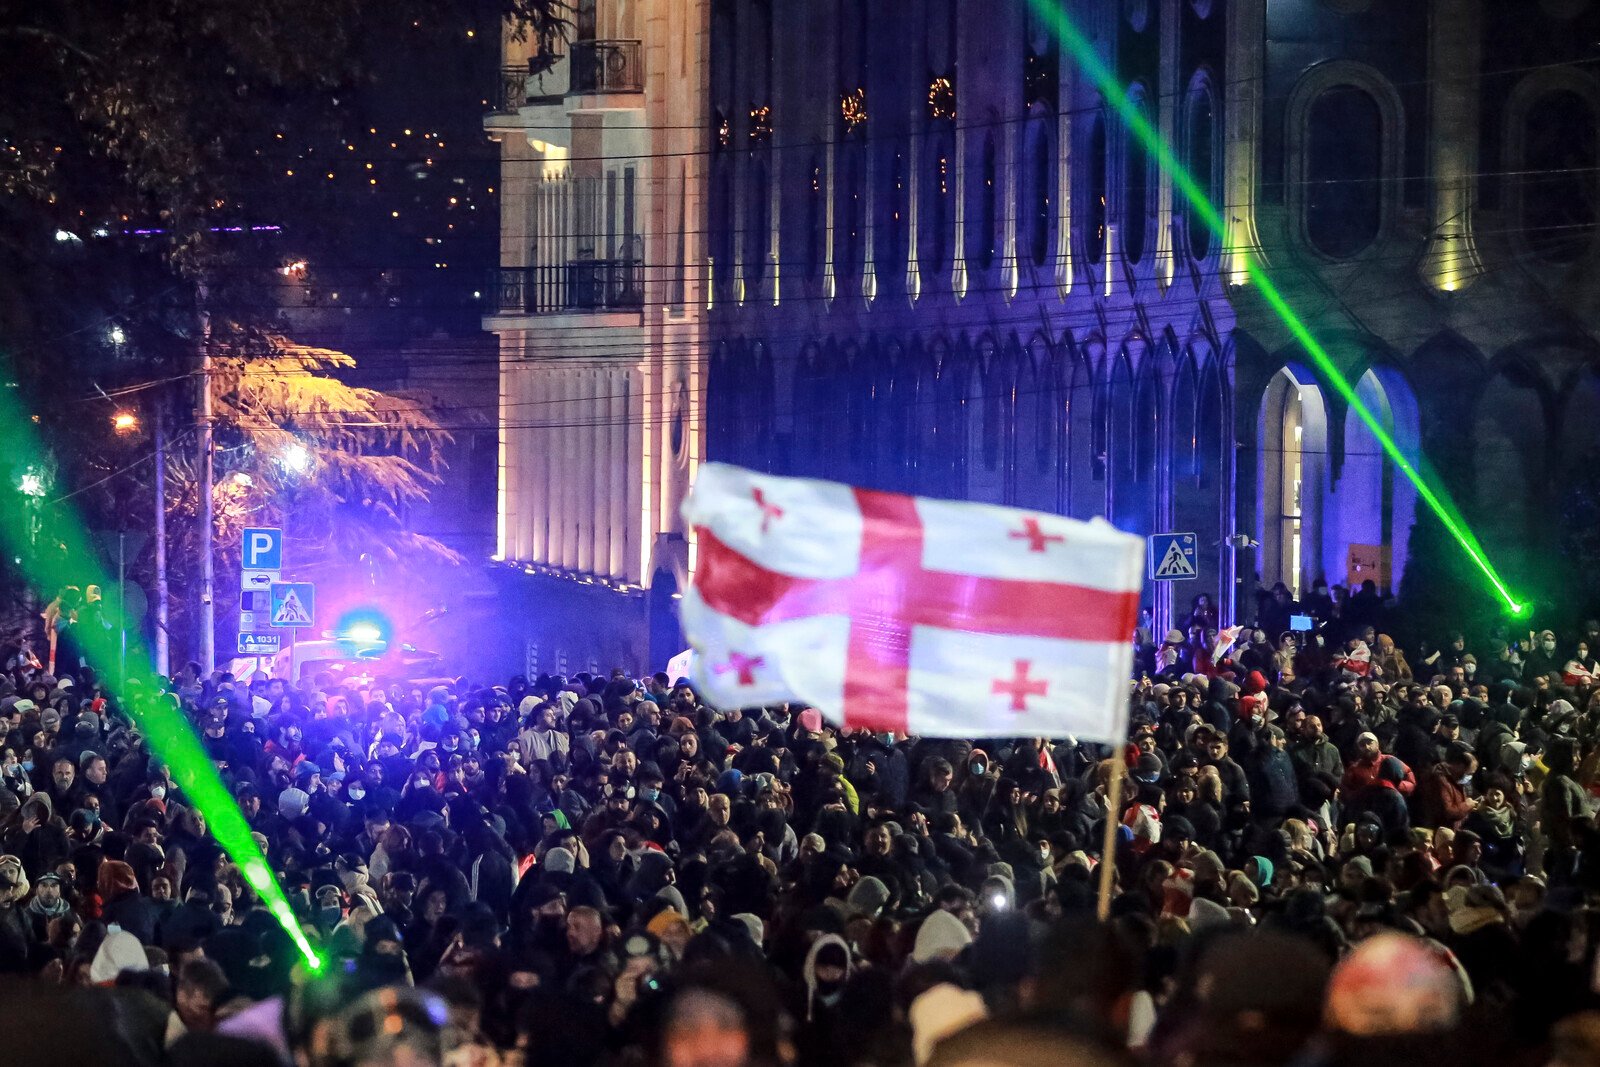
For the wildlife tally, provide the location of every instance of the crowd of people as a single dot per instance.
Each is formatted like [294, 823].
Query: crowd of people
[1327, 851]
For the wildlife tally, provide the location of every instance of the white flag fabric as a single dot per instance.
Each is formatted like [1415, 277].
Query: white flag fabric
[897, 613]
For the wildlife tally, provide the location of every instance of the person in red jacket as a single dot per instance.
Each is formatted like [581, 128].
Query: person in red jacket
[1442, 797]
[1367, 770]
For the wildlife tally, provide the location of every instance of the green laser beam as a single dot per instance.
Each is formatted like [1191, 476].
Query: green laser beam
[58, 553]
[1054, 14]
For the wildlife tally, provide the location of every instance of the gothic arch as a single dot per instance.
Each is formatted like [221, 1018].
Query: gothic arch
[1292, 452]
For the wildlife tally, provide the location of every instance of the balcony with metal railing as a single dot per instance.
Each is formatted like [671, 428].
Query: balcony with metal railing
[606, 67]
[513, 90]
[534, 79]
[579, 285]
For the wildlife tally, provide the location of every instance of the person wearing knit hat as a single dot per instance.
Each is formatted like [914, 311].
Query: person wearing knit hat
[119, 952]
[941, 936]
[998, 894]
[1208, 868]
[752, 925]
[1474, 908]
[868, 897]
[293, 803]
[1356, 871]
[810, 721]
[1242, 892]
[670, 928]
[1205, 914]
[938, 1013]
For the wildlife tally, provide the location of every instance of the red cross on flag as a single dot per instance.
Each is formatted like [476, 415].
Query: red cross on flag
[890, 612]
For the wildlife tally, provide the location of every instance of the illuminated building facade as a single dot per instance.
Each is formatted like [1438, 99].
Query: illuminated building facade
[599, 317]
[938, 264]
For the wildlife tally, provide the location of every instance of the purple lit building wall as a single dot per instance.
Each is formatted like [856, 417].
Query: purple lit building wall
[937, 264]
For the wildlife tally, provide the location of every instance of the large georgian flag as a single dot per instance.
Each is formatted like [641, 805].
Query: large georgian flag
[890, 612]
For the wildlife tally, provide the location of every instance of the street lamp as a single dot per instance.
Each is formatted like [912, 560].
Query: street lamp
[31, 484]
[125, 422]
[117, 335]
[296, 458]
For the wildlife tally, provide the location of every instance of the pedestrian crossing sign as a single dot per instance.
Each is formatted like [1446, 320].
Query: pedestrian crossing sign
[292, 603]
[1173, 557]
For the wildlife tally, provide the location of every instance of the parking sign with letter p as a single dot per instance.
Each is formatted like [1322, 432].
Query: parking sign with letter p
[262, 549]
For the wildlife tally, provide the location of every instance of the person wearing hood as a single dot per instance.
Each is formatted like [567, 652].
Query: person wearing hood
[1542, 661]
[120, 951]
[1391, 660]
[14, 936]
[122, 904]
[824, 976]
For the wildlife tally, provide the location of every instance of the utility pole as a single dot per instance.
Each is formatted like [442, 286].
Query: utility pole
[122, 611]
[208, 618]
[163, 653]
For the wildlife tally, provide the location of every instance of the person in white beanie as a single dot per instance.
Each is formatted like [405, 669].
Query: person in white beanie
[939, 1012]
[941, 936]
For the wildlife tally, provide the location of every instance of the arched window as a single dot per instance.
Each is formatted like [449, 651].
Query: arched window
[938, 203]
[757, 215]
[1136, 190]
[1292, 446]
[983, 218]
[722, 226]
[1093, 209]
[1036, 192]
[848, 213]
[893, 214]
[1559, 159]
[1344, 171]
[816, 218]
[1199, 138]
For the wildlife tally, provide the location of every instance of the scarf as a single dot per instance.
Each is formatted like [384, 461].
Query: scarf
[37, 906]
[1499, 819]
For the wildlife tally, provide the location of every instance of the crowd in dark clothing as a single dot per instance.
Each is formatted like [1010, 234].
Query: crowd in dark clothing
[1327, 852]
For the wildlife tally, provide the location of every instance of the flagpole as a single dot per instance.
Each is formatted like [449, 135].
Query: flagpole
[1108, 851]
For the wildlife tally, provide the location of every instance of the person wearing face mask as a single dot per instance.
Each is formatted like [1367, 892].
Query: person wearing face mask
[648, 784]
[1542, 660]
[1442, 795]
